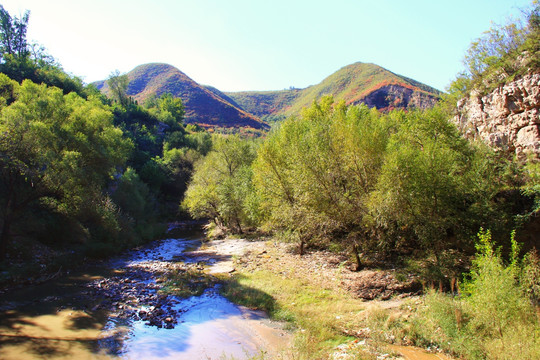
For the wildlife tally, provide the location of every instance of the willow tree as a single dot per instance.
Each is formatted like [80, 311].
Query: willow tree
[316, 172]
[434, 184]
[221, 184]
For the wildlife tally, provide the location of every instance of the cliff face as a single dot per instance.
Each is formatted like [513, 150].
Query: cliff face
[507, 119]
[397, 96]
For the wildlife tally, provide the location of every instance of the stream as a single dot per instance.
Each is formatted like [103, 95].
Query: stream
[113, 310]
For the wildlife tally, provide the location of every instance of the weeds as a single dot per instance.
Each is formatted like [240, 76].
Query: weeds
[494, 318]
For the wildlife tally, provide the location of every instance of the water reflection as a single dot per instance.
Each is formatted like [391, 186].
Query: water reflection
[64, 319]
[210, 327]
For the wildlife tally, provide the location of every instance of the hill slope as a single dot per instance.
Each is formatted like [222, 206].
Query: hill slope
[203, 106]
[355, 83]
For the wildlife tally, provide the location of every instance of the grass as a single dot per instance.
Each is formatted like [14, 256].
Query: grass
[494, 318]
[318, 315]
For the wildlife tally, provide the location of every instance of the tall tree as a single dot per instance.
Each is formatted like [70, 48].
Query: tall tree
[316, 172]
[221, 183]
[13, 34]
[118, 85]
[435, 185]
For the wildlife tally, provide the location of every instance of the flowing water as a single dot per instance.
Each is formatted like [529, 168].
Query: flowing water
[104, 313]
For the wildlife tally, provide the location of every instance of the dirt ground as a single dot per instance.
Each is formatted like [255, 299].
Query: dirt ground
[379, 288]
[327, 269]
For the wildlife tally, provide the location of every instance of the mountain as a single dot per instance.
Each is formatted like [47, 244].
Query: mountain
[355, 83]
[203, 106]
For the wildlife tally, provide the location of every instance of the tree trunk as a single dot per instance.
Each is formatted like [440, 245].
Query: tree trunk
[240, 231]
[357, 257]
[301, 247]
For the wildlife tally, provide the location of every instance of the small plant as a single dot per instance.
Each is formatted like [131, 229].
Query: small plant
[494, 318]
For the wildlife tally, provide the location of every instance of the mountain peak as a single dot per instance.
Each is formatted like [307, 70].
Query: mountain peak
[202, 106]
[355, 83]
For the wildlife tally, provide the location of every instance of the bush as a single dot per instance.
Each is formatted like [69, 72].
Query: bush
[494, 318]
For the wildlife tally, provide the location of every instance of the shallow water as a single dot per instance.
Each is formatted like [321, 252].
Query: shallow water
[63, 319]
[210, 328]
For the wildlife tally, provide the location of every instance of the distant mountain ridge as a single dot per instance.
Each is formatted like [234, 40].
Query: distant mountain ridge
[354, 84]
[209, 107]
[202, 106]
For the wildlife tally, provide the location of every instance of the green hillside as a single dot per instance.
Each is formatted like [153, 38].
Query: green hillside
[355, 83]
[203, 106]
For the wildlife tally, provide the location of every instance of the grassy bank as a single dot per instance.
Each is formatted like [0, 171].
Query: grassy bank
[328, 321]
[492, 318]
[318, 315]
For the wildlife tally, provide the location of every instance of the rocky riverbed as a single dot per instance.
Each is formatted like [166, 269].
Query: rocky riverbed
[131, 308]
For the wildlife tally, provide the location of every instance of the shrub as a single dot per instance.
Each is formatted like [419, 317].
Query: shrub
[494, 318]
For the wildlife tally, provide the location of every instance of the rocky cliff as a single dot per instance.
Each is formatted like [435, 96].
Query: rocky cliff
[507, 119]
[398, 96]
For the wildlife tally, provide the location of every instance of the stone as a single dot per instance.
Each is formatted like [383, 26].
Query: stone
[507, 119]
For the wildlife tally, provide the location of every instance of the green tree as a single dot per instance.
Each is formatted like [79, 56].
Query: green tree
[59, 149]
[13, 35]
[171, 108]
[321, 168]
[118, 85]
[434, 184]
[221, 184]
[501, 54]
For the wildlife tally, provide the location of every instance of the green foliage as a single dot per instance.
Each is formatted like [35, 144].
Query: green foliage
[19, 61]
[503, 53]
[495, 318]
[314, 173]
[221, 184]
[118, 84]
[133, 196]
[13, 34]
[59, 151]
[375, 182]
[433, 183]
[64, 151]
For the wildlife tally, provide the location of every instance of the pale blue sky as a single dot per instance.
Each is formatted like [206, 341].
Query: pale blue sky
[262, 45]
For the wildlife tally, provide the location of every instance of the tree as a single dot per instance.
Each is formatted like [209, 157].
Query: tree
[501, 54]
[316, 172]
[173, 107]
[13, 35]
[59, 149]
[434, 184]
[221, 184]
[118, 85]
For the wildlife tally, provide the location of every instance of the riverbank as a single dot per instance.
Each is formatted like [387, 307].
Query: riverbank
[334, 312]
[186, 298]
[129, 308]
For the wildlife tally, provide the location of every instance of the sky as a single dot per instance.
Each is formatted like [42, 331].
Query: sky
[240, 45]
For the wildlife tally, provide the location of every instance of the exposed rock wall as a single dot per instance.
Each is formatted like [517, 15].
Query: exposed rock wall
[398, 96]
[507, 119]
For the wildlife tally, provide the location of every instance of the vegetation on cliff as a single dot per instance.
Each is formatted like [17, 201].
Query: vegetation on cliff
[502, 54]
